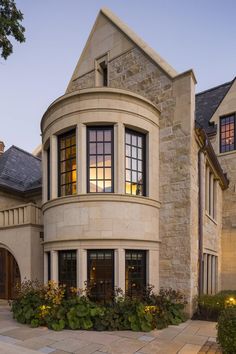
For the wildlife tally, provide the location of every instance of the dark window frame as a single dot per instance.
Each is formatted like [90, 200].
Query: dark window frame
[97, 128]
[99, 296]
[49, 265]
[70, 282]
[71, 132]
[220, 135]
[128, 290]
[144, 167]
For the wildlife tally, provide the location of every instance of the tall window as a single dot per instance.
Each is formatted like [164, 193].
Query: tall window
[48, 174]
[49, 265]
[134, 163]
[67, 163]
[210, 273]
[67, 268]
[227, 133]
[210, 193]
[100, 159]
[135, 272]
[101, 274]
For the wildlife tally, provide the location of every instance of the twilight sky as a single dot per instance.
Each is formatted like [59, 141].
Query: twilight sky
[186, 33]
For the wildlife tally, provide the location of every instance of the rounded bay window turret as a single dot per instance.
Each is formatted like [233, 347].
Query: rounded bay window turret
[101, 197]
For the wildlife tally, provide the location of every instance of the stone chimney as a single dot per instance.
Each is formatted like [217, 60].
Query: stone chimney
[2, 146]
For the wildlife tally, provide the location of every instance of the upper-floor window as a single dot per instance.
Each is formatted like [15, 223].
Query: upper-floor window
[67, 163]
[48, 173]
[102, 71]
[227, 133]
[211, 193]
[100, 159]
[134, 163]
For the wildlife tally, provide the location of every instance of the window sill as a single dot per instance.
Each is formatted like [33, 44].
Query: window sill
[226, 153]
[211, 218]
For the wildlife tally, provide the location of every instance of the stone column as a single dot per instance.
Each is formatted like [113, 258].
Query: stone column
[205, 274]
[44, 176]
[45, 268]
[81, 268]
[119, 158]
[119, 271]
[54, 167]
[82, 160]
[153, 269]
[54, 266]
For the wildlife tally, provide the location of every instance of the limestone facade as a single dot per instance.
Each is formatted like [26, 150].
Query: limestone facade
[178, 220]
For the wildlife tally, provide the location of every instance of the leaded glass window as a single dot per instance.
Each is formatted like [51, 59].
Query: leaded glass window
[135, 272]
[100, 159]
[134, 163]
[227, 133]
[67, 268]
[101, 274]
[67, 163]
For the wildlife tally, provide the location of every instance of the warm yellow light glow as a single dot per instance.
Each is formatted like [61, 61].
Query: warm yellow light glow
[73, 176]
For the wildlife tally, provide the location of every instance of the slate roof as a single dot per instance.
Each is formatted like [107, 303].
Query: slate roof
[207, 102]
[20, 170]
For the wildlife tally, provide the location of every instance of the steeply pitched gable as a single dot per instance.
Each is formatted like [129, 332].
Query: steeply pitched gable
[110, 35]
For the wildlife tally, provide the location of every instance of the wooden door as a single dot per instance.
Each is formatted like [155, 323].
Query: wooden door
[9, 274]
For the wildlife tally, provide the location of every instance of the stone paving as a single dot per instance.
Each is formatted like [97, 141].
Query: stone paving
[191, 337]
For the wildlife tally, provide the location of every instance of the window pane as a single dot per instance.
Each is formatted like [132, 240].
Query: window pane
[67, 168]
[99, 157]
[100, 135]
[67, 268]
[227, 133]
[135, 272]
[101, 274]
[92, 135]
[134, 167]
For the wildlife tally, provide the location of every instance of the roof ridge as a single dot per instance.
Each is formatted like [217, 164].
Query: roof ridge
[215, 87]
[25, 152]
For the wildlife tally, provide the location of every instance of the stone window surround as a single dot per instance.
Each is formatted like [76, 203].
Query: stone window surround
[221, 118]
[210, 273]
[210, 193]
[81, 259]
[81, 159]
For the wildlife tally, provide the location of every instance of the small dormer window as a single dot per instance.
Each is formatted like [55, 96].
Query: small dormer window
[102, 71]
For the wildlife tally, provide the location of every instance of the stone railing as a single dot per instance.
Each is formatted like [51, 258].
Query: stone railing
[21, 215]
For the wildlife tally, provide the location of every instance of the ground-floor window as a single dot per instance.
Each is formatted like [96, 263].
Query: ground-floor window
[135, 272]
[67, 268]
[210, 273]
[101, 274]
[49, 265]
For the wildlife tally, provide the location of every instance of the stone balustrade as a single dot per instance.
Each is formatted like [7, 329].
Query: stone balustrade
[21, 215]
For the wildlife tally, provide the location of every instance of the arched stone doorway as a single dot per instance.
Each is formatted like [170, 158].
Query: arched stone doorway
[9, 274]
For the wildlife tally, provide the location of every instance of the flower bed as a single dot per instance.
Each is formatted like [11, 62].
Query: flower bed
[50, 305]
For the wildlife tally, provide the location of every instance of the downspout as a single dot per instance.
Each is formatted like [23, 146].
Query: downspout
[200, 214]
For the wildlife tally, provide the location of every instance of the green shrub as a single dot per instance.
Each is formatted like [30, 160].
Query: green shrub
[209, 307]
[57, 308]
[226, 330]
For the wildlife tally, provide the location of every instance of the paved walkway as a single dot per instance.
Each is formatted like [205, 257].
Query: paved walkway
[191, 337]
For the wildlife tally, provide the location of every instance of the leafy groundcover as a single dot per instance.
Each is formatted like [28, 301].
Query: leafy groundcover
[53, 306]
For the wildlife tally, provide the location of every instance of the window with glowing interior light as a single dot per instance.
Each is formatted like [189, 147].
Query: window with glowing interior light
[101, 274]
[100, 159]
[67, 163]
[227, 133]
[134, 162]
[135, 272]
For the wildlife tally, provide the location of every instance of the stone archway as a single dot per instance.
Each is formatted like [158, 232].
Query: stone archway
[9, 274]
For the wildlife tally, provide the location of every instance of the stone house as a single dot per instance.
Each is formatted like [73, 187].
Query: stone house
[133, 189]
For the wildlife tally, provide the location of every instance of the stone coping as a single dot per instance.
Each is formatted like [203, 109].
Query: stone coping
[100, 197]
